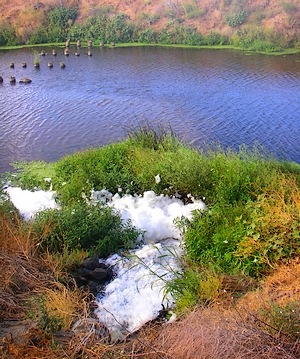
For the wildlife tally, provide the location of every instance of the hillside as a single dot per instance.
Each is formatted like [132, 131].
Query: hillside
[225, 17]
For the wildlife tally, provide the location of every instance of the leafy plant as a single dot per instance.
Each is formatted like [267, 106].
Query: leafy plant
[92, 228]
[192, 10]
[8, 35]
[289, 7]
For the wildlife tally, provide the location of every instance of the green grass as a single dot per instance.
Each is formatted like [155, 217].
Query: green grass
[251, 224]
[289, 51]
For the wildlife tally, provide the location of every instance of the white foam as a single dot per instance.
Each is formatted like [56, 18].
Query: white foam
[136, 294]
[30, 203]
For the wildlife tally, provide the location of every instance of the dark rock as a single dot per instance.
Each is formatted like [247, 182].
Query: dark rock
[99, 274]
[86, 272]
[91, 263]
[93, 275]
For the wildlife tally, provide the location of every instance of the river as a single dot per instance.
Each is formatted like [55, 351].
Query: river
[205, 96]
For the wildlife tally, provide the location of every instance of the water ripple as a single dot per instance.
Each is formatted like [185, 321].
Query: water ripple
[204, 95]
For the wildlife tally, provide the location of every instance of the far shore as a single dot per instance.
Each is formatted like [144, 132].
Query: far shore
[289, 51]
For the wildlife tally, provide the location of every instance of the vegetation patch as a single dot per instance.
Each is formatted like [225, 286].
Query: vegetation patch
[249, 229]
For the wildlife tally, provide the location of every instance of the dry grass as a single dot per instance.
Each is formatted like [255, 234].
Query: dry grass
[213, 333]
[282, 287]
[21, 269]
[63, 263]
[67, 304]
[18, 12]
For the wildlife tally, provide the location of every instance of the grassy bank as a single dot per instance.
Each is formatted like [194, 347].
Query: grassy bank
[288, 51]
[248, 234]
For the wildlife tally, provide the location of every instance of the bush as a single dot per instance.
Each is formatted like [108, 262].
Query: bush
[192, 10]
[236, 19]
[93, 228]
[8, 35]
[255, 39]
[289, 8]
[60, 21]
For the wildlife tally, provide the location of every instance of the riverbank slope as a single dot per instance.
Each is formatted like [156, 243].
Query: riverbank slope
[224, 17]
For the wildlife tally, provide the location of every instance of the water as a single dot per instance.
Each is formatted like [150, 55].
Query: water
[206, 96]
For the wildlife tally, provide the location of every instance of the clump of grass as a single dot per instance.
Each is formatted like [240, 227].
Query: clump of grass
[154, 138]
[21, 268]
[195, 286]
[282, 320]
[107, 167]
[65, 262]
[272, 231]
[30, 175]
[65, 304]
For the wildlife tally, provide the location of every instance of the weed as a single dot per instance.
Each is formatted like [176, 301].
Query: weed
[195, 286]
[282, 320]
[64, 262]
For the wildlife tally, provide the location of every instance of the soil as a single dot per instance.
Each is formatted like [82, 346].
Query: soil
[261, 14]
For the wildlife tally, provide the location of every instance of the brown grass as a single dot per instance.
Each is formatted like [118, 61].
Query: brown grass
[21, 269]
[68, 304]
[213, 333]
[229, 328]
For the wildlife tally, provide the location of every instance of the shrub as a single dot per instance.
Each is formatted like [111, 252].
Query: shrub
[192, 10]
[60, 21]
[92, 228]
[146, 36]
[8, 35]
[236, 19]
[289, 7]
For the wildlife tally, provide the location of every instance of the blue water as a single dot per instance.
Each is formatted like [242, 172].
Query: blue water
[206, 96]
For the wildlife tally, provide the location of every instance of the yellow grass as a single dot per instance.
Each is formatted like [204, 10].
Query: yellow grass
[65, 303]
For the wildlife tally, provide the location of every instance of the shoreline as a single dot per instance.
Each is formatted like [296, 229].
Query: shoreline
[289, 51]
